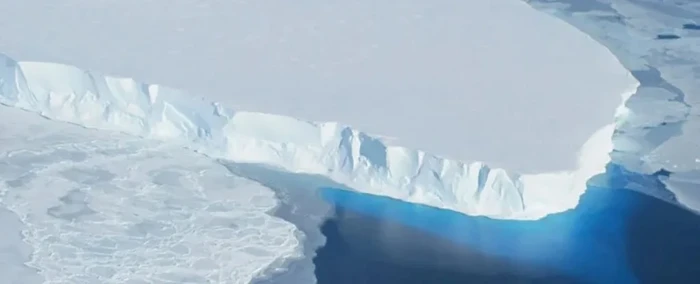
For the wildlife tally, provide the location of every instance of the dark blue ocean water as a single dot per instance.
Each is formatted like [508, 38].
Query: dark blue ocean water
[613, 236]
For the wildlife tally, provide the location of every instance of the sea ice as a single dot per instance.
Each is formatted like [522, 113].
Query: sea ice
[659, 124]
[97, 207]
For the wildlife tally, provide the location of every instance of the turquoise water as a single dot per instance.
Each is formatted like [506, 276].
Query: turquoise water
[613, 236]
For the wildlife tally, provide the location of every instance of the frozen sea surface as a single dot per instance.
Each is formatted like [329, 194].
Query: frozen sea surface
[80, 206]
[658, 41]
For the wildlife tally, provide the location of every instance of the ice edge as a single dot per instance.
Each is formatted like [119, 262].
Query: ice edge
[346, 155]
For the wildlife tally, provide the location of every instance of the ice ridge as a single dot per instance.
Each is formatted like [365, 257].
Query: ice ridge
[344, 154]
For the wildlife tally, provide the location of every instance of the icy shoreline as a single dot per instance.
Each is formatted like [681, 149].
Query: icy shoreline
[346, 155]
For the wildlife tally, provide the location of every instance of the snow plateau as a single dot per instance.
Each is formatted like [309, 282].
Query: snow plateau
[346, 155]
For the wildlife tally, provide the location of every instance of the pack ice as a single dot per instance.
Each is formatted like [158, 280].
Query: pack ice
[344, 154]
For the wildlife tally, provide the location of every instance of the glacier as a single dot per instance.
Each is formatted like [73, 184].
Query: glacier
[344, 154]
[475, 74]
[650, 131]
[336, 63]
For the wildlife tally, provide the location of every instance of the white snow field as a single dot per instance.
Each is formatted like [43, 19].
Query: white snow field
[459, 79]
[89, 99]
[100, 207]
[455, 86]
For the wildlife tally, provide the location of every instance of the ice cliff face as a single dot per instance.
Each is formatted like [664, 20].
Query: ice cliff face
[331, 149]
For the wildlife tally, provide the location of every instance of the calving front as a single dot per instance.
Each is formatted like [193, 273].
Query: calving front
[344, 154]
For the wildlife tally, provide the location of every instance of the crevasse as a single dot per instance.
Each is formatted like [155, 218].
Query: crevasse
[337, 151]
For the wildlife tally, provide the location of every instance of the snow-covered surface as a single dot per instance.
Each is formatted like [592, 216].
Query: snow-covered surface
[89, 99]
[663, 121]
[459, 79]
[107, 208]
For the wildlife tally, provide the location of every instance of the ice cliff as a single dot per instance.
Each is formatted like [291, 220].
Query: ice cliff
[344, 154]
